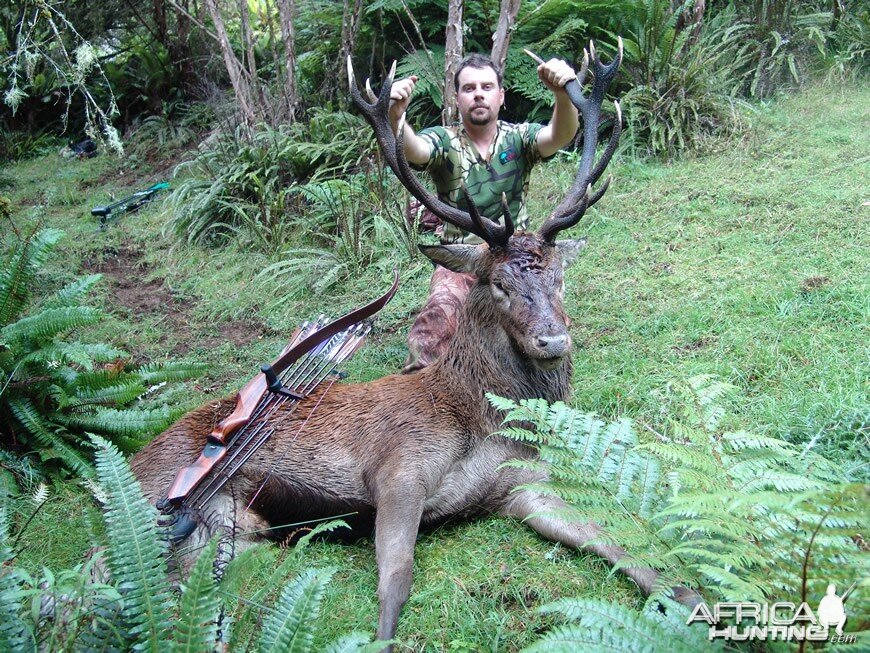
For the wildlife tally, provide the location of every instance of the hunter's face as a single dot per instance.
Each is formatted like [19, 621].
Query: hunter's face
[479, 97]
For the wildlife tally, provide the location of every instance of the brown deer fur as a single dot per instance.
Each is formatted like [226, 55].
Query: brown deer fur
[411, 450]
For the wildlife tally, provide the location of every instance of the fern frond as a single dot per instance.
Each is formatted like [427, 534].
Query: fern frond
[48, 436]
[14, 633]
[95, 380]
[778, 480]
[73, 291]
[740, 440]
[133, 423]
[18, 273]
[684, 456]
[355, 643]
[522, 435]
[58, 353]
[122, 392]
[501, 403]
[318, 530]
[50, 322]
[196, 627]
[290, 627]
[603, 626]
[171, 371]
[136, 550]
[731, 586]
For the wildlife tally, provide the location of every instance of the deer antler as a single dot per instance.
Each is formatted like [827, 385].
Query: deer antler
[580, 196]
[375, 112]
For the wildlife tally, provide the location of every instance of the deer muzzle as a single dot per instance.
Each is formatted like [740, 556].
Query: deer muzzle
[549, 350]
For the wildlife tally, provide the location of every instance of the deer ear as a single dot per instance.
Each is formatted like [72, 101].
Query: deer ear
[569, 250]
[458, 257]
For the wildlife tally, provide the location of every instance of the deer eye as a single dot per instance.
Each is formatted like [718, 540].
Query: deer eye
[498, 290]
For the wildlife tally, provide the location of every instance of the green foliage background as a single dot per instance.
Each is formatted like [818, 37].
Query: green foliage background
[730, 245]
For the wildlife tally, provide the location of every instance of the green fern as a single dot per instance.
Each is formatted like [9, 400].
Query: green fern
[74, 291]
[18, 274]
[196, 628]
[136, 556]
[290, 627]
[49, 323]
[53, 387]
[739, 514]
[48, 435]
[684, 93]
[14, 634]
[68, 611]
[604, 626]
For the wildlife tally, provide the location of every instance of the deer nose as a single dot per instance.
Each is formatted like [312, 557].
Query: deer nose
[554, 345]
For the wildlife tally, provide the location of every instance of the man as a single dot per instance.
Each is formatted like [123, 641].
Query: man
[492, 157]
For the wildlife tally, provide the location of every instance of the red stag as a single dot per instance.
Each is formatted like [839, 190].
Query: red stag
[409, 451]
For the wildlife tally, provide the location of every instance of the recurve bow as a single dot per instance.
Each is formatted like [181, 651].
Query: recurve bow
[249, 397]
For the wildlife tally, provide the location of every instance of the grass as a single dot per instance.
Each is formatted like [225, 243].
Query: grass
[750, 264]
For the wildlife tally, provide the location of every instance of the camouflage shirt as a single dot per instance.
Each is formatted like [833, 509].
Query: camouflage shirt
[453, 157]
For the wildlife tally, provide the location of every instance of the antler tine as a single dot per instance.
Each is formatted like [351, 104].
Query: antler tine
[376, 114]
[600, 192]
[611, 147]
[579, 196]
[508, 219]
[584, 67]
[372, 97]
[499, 235]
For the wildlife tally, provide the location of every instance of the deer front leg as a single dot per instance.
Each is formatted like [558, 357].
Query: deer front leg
[396, 524]
[524, 503]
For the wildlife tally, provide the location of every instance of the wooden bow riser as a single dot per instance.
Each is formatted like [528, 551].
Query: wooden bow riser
[313, 354]
[304, 379]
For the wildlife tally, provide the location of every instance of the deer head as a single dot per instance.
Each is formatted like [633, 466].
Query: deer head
[522, 271]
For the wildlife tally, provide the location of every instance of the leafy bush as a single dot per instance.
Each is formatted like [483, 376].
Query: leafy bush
[243, 188]
[136, 608]
[848, 54]
[19, 145]
[683, 92]
[352, 224]
[172, 131]
[743, 516]
[55, 388]
[781, 39]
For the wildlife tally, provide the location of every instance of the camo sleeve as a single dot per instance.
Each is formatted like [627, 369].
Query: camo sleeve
[439, 144]
[527, 132]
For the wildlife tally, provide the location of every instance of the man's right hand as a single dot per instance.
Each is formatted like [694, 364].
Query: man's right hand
[416, 148]
[400, 97]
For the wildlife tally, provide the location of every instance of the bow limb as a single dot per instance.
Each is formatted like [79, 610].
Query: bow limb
[249, 397]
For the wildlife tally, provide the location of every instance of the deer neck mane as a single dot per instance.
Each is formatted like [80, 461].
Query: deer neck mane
[482, 358]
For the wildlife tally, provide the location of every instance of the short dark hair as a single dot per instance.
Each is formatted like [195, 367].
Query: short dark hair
[479, 61]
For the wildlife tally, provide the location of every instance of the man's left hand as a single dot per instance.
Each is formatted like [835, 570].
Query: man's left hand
[555, 73]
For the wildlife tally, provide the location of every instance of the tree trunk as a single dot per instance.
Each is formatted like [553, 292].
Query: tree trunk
[265, 14]
[160, 23]
[234, 67]
[501, 40]
[247, 43]
[452, 55]
[286, 9]
[180, 52]
[349, 27]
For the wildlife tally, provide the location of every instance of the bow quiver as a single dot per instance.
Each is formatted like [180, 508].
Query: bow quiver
[313, 354]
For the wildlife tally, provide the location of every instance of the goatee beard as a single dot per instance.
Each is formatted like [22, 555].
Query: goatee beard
[485, 120]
